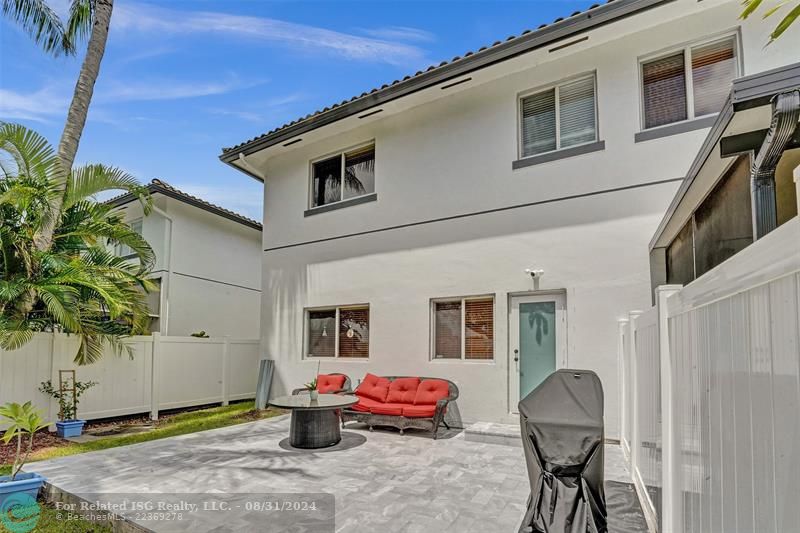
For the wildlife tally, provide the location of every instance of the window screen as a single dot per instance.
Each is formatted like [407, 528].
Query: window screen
[327, 183]
[322, 333]
[577, 113]
[664, 86]
[479, 329]
[713, 70]
[354, 332]
[447, 330]
[539, 123]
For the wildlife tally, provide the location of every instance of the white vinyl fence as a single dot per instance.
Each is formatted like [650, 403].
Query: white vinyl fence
[711, 382]
[164, 373]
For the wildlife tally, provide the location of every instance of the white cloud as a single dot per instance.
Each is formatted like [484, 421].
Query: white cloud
[166, 89]
[39, 106]
[400, 33]
[147, 18]
[258, 111]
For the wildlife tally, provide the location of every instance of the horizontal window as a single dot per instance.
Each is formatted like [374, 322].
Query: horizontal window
[343, 176]
[338, 332]
[559, 117]
[463, 328]
[688, 83]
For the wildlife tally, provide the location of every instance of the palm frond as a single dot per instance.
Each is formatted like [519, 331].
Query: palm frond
[89, 180]
[42, 23]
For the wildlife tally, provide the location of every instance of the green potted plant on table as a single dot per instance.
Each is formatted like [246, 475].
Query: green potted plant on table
[311, 387]
[20, 488]
[68, 395]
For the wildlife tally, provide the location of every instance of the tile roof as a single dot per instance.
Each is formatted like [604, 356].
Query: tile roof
[621, 9]
[162, 187]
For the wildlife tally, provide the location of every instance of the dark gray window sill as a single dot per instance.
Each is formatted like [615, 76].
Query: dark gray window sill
[675, 129]
[558, 154]
[341, 205]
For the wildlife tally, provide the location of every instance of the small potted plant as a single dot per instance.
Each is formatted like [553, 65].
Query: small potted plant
[311, 387]
[68, 396]
[24, 420]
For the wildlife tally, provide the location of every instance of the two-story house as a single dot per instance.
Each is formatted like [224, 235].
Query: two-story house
[487, 220]
[208, 264]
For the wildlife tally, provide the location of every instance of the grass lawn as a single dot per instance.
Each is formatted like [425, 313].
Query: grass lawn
[168, 426]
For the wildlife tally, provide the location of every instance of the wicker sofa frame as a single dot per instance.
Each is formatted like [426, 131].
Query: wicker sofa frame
[344, 390]
[401, 422]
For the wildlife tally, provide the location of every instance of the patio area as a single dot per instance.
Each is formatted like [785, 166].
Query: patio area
[382, 481]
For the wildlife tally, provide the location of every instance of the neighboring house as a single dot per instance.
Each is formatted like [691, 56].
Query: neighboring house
[208, 264]
[404, 223]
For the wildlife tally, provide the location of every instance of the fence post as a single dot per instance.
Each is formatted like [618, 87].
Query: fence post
[154, 375]
[622, 324]
[226, 344]
[633, 397]
[671, 478]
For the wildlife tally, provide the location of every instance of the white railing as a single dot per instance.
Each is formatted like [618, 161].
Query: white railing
[712, 395]
[164, 373]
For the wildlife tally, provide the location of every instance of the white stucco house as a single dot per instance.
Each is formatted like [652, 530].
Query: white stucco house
[487, 220]
[208, 264]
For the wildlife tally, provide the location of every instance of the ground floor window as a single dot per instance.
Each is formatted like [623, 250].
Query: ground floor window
[463, 328]
[338, 332]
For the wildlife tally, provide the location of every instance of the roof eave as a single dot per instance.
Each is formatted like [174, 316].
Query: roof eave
[591, 19]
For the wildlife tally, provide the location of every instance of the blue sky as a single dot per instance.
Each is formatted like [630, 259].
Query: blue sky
[181, 79]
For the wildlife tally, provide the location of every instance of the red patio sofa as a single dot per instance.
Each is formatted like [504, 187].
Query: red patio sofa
[402, 402]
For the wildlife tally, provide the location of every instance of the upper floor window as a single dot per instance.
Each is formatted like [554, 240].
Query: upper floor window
[558, 117]
[343, 176]
[688, 83]
[123, 250]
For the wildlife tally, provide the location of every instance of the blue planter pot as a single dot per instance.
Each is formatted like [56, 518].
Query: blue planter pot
[70, 428]
[22, 491]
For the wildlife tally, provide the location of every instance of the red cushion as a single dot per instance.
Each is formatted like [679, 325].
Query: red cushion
[374, 387]
[393, 409]
[431, 390]
[365, 404]
[419, 411]
[328, 383]
[403, 390]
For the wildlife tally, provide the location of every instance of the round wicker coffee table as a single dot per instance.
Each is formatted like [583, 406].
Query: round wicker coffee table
[315, 423]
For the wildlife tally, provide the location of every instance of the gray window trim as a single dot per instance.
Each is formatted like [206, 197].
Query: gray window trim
[555, 155]
[341, 204]
[675, 128]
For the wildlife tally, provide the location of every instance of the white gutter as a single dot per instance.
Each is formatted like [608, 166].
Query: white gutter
[164, 303]
[250, 168]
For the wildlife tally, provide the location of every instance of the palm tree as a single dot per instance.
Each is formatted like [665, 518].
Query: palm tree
[750, 6]
[77, 285]
[86, 18]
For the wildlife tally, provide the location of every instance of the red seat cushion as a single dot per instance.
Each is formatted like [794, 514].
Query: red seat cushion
[403, 390]
[393, 409]
[374, 387]
[327, 383]
[419, 411]
[431, 390]
[365, 404]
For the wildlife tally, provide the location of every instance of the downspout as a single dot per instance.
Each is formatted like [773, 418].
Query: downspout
[250, 168]
[785, 115]
[164, 311]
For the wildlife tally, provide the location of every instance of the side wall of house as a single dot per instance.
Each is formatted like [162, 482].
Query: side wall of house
[587, 225]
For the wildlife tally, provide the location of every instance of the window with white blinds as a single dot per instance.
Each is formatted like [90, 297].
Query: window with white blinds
[559, 117]
[688, 83]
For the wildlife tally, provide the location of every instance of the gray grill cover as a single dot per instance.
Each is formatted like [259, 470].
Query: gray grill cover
[562, 436]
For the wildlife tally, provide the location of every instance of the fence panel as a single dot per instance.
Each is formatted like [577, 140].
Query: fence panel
[189, 371]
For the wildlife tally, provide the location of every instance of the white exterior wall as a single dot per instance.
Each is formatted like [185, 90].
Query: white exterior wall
[212, 279]
[453, 156]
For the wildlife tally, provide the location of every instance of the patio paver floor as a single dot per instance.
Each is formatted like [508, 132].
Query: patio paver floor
[382, 481]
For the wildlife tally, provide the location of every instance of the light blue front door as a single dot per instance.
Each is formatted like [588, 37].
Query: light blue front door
[538, 332]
